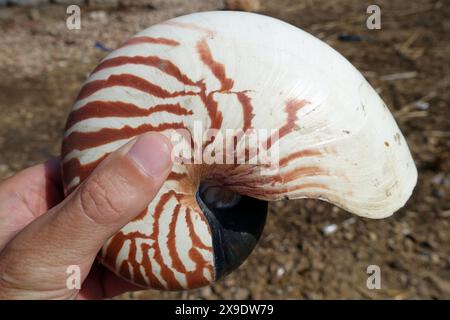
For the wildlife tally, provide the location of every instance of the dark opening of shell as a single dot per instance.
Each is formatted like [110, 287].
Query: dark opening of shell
[236, 223]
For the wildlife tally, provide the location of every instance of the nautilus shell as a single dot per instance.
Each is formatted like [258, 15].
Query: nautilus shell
[334, 137]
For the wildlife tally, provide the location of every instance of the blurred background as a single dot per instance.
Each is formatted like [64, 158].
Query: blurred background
[309, 249]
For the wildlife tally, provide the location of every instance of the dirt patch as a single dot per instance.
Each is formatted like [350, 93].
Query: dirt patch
[43, 66]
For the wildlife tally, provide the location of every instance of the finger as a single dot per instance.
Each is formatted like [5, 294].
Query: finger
[119, 189]
[27, 195]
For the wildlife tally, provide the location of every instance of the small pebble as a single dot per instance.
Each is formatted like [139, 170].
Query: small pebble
[329, 229]
[421, 105]
[280, 272]
[373, 236]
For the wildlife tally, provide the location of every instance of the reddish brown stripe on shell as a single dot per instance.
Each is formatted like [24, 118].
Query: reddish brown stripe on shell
[103, 109]
[85, 140]
[217, 68]
[196, 278]
[212, 108]
[279, 192]
[197, 242]
[144, 39]
[118, 241]
[303, 172]
[136, 276]
[111, 257]
[299, 154]
[177, 264]
[292, 106]
[115, 246]
[247, 114]
[247, 110]
[166, 273]
[131, 81]
[252, 181]
[73, 168]
[302, 186]
[176, 176]
[148, 269]
[162, 64]
[113, 249]
[213, 111]
[285, 177]
[190, 26]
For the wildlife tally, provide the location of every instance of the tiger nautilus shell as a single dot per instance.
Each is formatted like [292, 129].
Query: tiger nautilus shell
[336, 140]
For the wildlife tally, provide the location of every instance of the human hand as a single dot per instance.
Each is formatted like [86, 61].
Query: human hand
[41, 234]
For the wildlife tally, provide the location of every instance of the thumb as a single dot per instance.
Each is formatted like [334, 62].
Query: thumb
[72, 233]
[118, 190]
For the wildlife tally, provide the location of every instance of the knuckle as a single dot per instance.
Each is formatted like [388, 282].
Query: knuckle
[101, 200]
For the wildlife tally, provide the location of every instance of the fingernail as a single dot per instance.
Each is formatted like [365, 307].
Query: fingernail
[151, 152]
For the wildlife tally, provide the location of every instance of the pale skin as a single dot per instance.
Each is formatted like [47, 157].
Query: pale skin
[41, 233]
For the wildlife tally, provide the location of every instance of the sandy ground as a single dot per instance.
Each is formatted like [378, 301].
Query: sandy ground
[42, 66]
